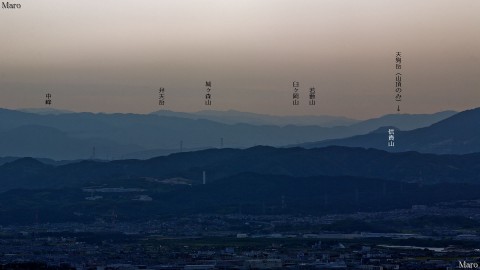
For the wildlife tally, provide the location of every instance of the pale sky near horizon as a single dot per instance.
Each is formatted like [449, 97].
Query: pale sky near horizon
[113, 55]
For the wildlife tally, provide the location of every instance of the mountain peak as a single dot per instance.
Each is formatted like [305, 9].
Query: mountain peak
[25, 162]
[457, 134]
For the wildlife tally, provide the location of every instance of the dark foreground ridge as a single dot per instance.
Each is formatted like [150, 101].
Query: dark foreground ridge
[408, 167]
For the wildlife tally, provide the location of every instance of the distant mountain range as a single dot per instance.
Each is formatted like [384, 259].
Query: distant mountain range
[63, 136]
[44, 111]
[35, 140]
[256, 180]
[458, 134]
[4, 160]
[236, 117]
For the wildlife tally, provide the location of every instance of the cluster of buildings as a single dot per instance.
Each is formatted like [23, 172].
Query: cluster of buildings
[246, 242]
[145, 253]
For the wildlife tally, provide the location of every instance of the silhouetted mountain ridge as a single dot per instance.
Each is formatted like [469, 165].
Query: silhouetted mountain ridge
[43, 141]
[237, 117]
[458, 134]
[135, 135]
[298, 162]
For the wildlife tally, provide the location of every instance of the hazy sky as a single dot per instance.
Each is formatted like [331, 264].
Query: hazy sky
[113, 55]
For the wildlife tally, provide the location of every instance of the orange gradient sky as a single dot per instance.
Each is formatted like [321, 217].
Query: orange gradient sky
[113, 55]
